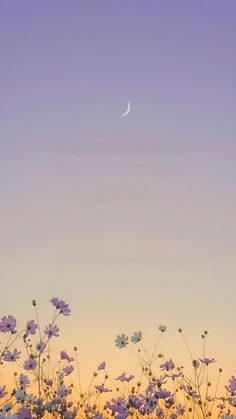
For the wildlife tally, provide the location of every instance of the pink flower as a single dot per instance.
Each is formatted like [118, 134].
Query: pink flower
[8, 324]
[68, 370]
[52, 331]
[11, 356]
[101, 366]
[61, 306]
[30, 364]
[31, 328]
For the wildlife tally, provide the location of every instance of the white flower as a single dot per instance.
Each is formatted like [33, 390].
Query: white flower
[31, 398]
[121, 341]
[20, 395]
[162, 328]
[137, 337]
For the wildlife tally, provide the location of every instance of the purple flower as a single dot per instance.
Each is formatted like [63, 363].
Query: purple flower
[116, 405]
[24, 413]
[68, 370]
[61, 306]
[40, 346]
[52, 331]
[48, 382]
[232, 385]
[168, 365]
[24, 381]
[11, 356]
[180, 409]
[64, 355]
[196, 364]
[123, 378]
[101, 389]
[189, 390]
[30, 364]
[3, 391]
[207, 361]
[101, 366]
[8, 324]
[31, 328]
[163, 394]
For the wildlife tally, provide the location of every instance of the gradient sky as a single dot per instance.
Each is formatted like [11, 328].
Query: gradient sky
[131, 221]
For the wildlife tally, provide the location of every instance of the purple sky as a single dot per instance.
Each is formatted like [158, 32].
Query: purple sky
[109, 203]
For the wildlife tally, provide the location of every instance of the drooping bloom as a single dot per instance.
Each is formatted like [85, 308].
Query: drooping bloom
[40, 346]
[101, 366]
[48, 382]
[30, 364]
[61, 306]
[23, 381]
[180, 409]
[68, 370]
[8, 324]
[101, 388]
[232, 385]
[12, 356]
[64, 355]
[168, 365]
[191, 392]
[137, 337]
[124, 378]
[31, 327]
[121, 341]
[52, 330]
[196, 364]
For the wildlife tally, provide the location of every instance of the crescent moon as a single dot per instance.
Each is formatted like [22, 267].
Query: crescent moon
[127, 111]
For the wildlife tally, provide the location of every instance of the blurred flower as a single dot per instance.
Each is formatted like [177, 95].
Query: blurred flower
[52, 330]
[101, 366]
[63, 391]
[196, 364]
[11, 356]
[162, 328]
[180, 409]
[207, 361]
[8, 324]
[3, 391]
[102, 389]
[189, 390]
[123, 378]
[61, 306]
[40, 346]
[23, 381]
[30, 364]
[20, 396]
[24, 413]
[48, 382]
[137, 337]
[64, 355]
[121, 341]
[232, 385]
[68, 370]
[168, 365]
[31, 328]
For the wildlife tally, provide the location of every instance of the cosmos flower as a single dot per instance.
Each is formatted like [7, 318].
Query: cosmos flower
[48, 382]
[196, 364]
[101, 388]
[124, 378]
[232, 385]
[64, 355]
[68, 370]
[24, 413]
[52, 330]
[23, 381]
[207, 361]
[11, 356]
[30, 364]
[20, 396]
[8, 324]
[63, 391]
[101, 366]
[168, 365]
[40, 346]
[3, 391]
[180, 410]
[61, 306]
[121, 341]
[162, 328]
[31, 328]
[137, 337]
[116, 405]
[189, 390]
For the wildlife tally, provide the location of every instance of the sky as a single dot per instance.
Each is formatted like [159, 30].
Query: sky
[130, 220]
